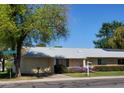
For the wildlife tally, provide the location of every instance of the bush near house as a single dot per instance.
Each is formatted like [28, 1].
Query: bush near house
[74, 69]
[59, 69]
[109, 68]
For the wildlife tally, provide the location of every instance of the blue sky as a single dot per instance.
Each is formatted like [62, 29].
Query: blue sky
[84, 21]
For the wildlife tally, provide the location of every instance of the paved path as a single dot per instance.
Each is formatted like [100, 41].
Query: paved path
[54, 82]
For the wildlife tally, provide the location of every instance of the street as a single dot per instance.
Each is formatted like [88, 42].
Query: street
[87, 83]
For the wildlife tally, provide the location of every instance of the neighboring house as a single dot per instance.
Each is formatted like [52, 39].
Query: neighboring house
[45, 58]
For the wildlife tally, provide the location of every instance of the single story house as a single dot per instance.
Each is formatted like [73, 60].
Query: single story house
[45, 58]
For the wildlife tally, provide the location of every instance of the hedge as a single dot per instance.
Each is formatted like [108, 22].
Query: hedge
[75, 69]
[109, 68]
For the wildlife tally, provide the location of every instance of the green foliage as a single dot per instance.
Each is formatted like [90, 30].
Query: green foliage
[117, 40]
[41, 45]
[28, 24]
[6, 75]
[51, 22]
[105, 33]
[109, 68]
[9, 64]
[59, 69]
[24, 25]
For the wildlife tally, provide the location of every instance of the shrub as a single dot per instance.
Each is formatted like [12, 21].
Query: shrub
[59, 69]
[109, 68]
[78, 69]
[8, 66]
[75, 69]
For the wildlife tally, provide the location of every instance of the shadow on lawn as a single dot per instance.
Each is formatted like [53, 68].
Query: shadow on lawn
[5, 75]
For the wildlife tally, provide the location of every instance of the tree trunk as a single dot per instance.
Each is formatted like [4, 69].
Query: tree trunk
[3, 65]
[17, 59]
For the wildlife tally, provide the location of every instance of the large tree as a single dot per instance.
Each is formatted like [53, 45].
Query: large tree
[22, 25]
[117, 40]
[105, 33]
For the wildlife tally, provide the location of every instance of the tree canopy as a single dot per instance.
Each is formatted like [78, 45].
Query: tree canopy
[105, 33]
[117, 40]
[33, 24]
[23, 25]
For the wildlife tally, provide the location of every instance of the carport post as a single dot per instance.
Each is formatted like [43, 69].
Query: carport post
[84, 62]
[88, 69]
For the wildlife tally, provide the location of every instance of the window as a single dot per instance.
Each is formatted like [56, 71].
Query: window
[99, 61]
[121, 61]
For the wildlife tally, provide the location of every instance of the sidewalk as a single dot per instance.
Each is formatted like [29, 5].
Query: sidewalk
[48, 79]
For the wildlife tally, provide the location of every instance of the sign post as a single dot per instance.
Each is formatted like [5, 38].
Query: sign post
[88, 69]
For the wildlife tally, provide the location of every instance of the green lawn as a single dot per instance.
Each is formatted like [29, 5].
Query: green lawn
[5, 75]
[96, 74]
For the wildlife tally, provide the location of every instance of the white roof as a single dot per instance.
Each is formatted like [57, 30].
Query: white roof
[73, 52]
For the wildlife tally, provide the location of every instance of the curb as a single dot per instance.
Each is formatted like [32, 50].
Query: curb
[60, 79]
